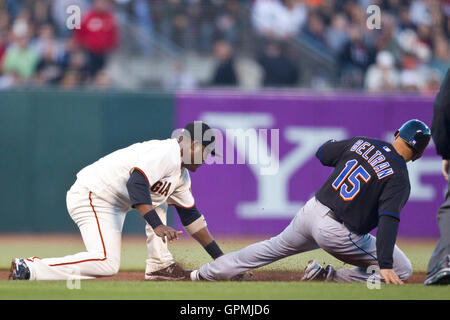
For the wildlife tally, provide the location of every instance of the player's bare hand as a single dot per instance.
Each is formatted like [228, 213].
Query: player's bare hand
[445, 169]
[165, 231]
[390, 276]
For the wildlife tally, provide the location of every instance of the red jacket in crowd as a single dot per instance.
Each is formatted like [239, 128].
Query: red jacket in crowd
[98, 33]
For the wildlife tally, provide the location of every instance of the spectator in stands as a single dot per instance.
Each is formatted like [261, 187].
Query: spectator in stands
[3, 46]
[382, 76]
[385, 39]
[40, 11]
[102, 81]
[203, 15]
[227, 21]
[179, 79]
[77, 70]
[278, 20]
[142, 11]
[315, 29]
[19, 58]
[175, 22]
[420, 12]
[265, 17]
[296, 16]
[278, 70]
[224, 74]
[441, 59]
[71, 80]
[336, 34]
[98, 34]
[433, 82]
[49, 71]
[410, 81]
[354, 59]
[327, 10]
[404, 21]
[4, 21]
[420, 28]
[46, 38]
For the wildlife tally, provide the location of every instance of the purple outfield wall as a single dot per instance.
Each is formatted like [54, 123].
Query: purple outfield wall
[238, 199]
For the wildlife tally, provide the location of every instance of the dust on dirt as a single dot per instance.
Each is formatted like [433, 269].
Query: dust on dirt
[289, 276]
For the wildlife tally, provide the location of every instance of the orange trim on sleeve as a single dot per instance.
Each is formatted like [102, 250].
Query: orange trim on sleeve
[141, 171]
[174, 205]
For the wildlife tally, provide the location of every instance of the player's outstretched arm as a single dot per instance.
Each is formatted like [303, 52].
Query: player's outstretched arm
[195, 224]
[206, 240]
[386, 236]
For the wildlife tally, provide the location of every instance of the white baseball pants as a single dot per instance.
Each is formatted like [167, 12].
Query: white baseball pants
[100, 224]
[311, 229]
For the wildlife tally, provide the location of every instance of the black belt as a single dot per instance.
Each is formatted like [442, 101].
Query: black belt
[333, 216]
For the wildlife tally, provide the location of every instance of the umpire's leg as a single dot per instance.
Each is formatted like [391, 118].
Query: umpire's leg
[443, 247]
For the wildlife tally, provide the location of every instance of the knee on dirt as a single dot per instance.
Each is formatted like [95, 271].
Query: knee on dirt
[405, 271]
[109, 267]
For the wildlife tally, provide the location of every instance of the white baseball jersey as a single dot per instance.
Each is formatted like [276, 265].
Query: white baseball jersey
[158, 160]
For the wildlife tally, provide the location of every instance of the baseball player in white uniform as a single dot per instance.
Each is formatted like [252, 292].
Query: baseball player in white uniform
[147, 176]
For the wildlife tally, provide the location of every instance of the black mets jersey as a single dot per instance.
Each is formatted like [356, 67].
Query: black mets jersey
[369, 180]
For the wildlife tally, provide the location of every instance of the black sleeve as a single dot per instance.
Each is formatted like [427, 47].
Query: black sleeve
[386, 236]
[440, 127]
[393, 197]
[330, 152]
[188, 215]
[138, 189]
[392, 200]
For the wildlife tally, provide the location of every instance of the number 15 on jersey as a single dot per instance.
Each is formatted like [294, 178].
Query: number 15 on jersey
[349, 176]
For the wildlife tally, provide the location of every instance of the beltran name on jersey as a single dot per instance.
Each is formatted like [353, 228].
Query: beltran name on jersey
[374, 158]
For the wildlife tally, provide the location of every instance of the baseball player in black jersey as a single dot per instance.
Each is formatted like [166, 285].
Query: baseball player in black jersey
[368, 188]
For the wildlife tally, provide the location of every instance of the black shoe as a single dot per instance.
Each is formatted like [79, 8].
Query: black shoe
[440, 275]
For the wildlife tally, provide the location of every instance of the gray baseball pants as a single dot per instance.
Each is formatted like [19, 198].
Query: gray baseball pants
[311, 228]
[443, 247]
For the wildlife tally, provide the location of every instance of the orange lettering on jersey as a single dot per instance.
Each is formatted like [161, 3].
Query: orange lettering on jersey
[156, 186]
[166, 190]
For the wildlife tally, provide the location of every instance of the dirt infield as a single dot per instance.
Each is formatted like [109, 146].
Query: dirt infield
[258, 276]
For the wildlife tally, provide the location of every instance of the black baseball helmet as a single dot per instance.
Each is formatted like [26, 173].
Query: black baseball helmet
[417, 135]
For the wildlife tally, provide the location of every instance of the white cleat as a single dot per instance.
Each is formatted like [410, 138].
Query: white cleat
[315, 271]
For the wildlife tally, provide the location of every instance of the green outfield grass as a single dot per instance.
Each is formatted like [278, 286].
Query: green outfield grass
[219, 290]
[185, 251]
[191, 255]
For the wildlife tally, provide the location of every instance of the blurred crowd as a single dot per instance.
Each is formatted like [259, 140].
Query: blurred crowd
[409, 52]
[37, 48]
